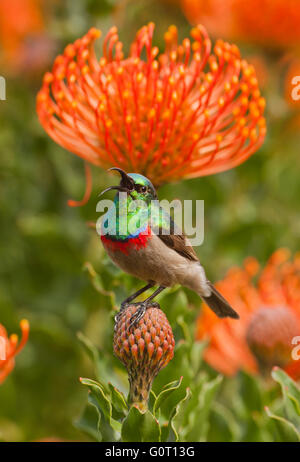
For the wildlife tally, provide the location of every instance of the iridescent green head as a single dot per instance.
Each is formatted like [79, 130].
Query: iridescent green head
[137, 186]
[143, 189]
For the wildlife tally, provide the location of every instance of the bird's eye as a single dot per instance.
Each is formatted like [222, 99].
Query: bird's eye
[141, 189]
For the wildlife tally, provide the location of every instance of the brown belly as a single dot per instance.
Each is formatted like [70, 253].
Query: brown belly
[143, 263]
[159, 263]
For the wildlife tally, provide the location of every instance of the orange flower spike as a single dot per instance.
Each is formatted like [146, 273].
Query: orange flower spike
[10, 347]
[269, 318]
[186, 112]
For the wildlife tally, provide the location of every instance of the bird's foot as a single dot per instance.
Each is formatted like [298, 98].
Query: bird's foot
[138, 315]
[140, 312]
[154, 305]
[122, 308]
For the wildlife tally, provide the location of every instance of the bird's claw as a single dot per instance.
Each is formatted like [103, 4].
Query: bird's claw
[122, 308]
[140, 312]
[138, 315]
[154, 305]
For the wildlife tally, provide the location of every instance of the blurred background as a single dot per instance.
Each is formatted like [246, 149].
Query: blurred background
[44, 244]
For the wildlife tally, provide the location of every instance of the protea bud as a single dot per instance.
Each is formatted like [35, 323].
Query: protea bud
[270, 334]
[144, 349]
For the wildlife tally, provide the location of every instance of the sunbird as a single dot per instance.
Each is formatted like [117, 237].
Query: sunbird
[156, 250]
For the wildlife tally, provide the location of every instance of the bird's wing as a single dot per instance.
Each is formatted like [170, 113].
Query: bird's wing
[178, 243]
[172, 236]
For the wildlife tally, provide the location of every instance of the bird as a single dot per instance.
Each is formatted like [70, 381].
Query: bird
[154, 250]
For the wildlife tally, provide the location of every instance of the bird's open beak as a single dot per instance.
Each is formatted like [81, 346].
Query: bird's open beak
[126, 181]
[126, 185]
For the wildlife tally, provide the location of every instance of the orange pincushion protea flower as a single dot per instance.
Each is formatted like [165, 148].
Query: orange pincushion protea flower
[269, 318]
[215, 15]
[18, 21]
[270, 22]
[186, 112]
[274, 23]
[144, 349]
[9, 348]
[291, 84]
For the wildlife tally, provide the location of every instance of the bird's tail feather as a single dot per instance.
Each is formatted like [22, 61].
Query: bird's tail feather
[218, 304]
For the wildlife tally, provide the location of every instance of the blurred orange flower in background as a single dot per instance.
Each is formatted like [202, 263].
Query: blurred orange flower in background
[292, 81]
[23, 43]
[269, 312]
[184, 113]
[10, 347]
[274, 23]
[215, 15]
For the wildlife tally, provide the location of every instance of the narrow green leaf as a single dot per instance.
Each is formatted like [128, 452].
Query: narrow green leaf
[224, 425]
[185, 329]
[176, 416]
[104, 401]
[163, 395]
[140, 427]
[290, 389]
[198, 425]
[89, 422]
[250, 392]
[152, 399]
[196, 355]
[97, 283]
[118, 400]
[286, 430]
[91, 350]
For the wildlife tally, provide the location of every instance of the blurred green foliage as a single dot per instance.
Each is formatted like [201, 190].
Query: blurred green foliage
[44, 247]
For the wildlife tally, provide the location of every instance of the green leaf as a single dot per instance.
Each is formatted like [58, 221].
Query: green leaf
[176, 302]
[163, 395]
[197, 425]
[196, 355]
[223, 425]
[289, 388]
[103, 401]
[101, 361]
[250, 392]
[152, 399]
[177, 415]
[89, 422]
[92, 352]
[185, 329]
[140, 427]
[98, 284]
[118, 400]
[286, 430]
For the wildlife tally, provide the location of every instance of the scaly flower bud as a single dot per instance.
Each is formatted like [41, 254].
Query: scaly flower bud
[144, 349]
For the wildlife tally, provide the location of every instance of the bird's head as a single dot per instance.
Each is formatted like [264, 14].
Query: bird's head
[137, 186]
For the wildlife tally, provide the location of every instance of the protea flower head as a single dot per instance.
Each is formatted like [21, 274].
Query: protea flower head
[10, 347]
[25, 47]
[144, 349]
[189, 111]
[270, 349]
[269, 318]
[271, 23]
